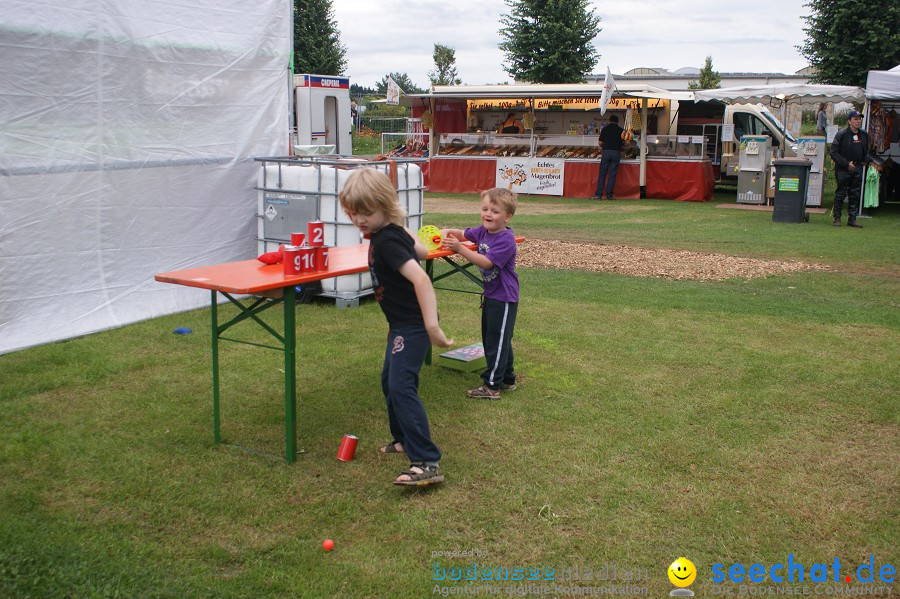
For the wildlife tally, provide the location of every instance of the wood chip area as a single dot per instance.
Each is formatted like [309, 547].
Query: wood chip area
[623, 259]
[645, 262]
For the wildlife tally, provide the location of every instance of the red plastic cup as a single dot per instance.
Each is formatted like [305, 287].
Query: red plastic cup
[297, 239]
[291, 260]
[321, 258]
[307, 259]
[315, 233]
[347, 448]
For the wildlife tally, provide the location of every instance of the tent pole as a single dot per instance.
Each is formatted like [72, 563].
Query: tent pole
[292, 123]
[862, 188]
[643, 149]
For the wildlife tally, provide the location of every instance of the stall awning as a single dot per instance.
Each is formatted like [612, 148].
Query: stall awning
[664, 95]
[541, 90]
[805, 93]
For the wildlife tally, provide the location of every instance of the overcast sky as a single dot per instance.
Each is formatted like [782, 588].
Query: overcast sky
[384, 36]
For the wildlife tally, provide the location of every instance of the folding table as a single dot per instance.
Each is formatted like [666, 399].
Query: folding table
[272, 287]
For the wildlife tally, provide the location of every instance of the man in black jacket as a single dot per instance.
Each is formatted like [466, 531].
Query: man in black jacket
[850, 152]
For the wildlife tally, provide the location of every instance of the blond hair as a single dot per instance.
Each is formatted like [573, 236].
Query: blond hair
[368, 190]
[503, 198]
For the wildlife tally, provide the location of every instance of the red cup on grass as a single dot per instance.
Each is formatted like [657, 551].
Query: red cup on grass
[315, 233]
[347, 449]
[321, 258]
[297, 239]
[291, 260]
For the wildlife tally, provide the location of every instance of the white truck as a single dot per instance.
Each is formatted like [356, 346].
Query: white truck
[707, 118]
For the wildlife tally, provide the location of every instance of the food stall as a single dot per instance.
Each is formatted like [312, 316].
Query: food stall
[558, 153]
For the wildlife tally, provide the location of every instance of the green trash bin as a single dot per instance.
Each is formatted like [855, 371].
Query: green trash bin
[791, 178]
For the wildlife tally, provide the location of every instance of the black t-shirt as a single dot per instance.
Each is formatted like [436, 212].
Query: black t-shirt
[857, 151]
[611, 136]
[389, 249]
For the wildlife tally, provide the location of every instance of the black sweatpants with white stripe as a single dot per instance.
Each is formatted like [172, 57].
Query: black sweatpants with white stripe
[498, 319]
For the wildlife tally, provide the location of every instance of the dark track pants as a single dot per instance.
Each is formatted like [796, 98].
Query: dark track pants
[498, 319]
[403, 359]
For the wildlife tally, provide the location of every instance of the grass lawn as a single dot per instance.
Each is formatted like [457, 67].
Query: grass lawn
[732, 421]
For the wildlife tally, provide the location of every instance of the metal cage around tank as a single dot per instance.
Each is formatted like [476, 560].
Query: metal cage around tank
[293, 190]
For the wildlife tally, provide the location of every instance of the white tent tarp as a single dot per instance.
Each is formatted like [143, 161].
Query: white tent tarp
[805, 93]
[883, 85]
[127, 132]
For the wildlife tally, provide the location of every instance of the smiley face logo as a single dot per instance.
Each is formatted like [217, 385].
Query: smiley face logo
[682, 572]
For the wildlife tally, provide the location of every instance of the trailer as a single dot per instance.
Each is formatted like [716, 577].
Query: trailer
[322, 116]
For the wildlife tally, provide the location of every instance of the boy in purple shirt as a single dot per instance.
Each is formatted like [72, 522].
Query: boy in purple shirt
[496, 258]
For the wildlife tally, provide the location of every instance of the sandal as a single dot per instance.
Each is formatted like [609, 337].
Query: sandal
[483, 393]
[420, 475]
[392, 448]
[508, 387]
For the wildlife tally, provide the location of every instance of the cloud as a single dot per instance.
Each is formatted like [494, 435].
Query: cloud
[399, 36]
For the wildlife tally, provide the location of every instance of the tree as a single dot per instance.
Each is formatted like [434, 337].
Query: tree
[709, 79]
[445, 66]
[401, 79]
[361, 90]
[317, 42]
[846, 39]
[549, 41]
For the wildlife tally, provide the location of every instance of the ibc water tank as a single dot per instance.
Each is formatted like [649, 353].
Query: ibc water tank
[292, 192]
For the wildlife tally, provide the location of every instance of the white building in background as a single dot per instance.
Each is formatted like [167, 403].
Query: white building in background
[679, 80]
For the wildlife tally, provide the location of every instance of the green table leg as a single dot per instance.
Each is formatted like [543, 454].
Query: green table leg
[429, 270]
[290, 375]
[217, 436]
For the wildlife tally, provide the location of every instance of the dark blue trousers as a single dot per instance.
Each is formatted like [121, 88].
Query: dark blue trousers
[498, 319]
[403, 359]
[609, 168]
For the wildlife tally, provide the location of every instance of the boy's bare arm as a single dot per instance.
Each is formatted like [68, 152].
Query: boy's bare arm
[479, 260]
[457, 233]
[453, 240]
[419, 247]
[413, 272]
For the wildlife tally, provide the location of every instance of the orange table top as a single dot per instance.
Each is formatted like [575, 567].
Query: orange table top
[252, 276]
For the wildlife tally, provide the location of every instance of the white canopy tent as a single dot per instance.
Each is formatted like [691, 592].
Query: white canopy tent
[805, 93]
[883, 85]
[127, 132]
[780, 95]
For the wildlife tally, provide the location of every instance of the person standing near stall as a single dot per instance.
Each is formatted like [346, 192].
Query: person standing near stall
[610, 141]
[850, 152]
[821, 119]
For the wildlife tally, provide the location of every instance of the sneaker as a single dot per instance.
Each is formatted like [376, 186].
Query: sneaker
[597, 198]
[836, 223]
[854, 224]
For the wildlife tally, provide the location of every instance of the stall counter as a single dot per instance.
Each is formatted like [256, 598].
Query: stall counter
[667, 179]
